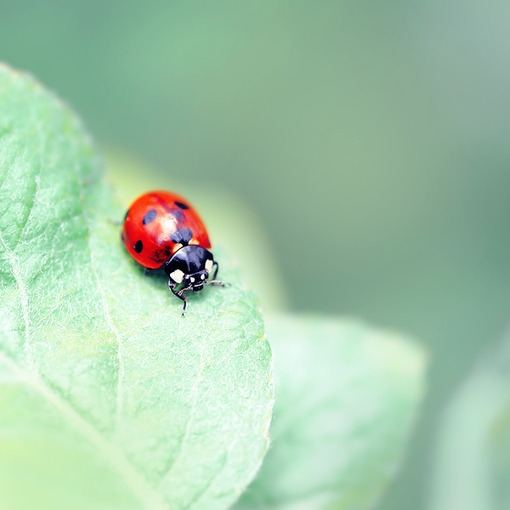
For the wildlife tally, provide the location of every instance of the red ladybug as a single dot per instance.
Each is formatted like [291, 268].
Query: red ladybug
[162, 230]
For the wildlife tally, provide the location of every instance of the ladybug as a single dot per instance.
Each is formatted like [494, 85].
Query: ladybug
[162, 230]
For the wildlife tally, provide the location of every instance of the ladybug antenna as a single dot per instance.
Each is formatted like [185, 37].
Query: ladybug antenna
[182, 236]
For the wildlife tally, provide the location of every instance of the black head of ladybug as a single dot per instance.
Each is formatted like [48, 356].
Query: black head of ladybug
[189, 269]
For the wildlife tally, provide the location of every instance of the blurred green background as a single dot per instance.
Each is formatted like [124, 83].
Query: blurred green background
[371, 141]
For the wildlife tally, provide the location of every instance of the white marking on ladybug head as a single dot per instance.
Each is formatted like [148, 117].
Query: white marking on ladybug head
[208, 265]
[192, 279]
[177, 275]
[202, 276]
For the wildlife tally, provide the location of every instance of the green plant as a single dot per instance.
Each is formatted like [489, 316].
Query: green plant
[109, 399]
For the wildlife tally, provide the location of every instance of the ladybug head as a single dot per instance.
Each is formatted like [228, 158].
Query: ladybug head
[189, 268]
[195, 281]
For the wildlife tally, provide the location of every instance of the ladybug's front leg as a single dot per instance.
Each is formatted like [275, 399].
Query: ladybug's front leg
[219, 283]
[180, 294]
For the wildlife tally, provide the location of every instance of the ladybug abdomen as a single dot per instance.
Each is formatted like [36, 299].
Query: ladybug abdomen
[158, 224]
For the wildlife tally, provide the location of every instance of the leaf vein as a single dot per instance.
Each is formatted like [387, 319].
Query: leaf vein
[24, 301]
[111, 454]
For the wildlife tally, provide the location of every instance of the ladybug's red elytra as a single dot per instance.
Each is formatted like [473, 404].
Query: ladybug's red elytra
[162, 230]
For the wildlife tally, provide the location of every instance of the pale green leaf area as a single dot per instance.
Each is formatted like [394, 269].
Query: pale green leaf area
[471, 468]
[346, 397]
[109, 399]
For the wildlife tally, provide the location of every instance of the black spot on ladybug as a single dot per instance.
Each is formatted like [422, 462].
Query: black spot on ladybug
[150, 216]
[180, 205]
[182, 236]
[138, 246]
[177, 214]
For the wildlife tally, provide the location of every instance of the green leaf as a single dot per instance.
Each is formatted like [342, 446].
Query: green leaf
[108, 397]
[471, 467]
[346, 396]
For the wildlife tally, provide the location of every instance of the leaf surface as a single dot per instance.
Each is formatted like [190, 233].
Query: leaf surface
[346, 396]
[108, 398]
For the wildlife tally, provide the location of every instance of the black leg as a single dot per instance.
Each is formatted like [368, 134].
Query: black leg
[216, 267]
[180, 295]
[184, 305]
[218, 283]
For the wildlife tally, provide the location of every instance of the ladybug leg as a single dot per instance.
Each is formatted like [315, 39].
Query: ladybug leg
[184, 304]
[218, 283]
[180, 295]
